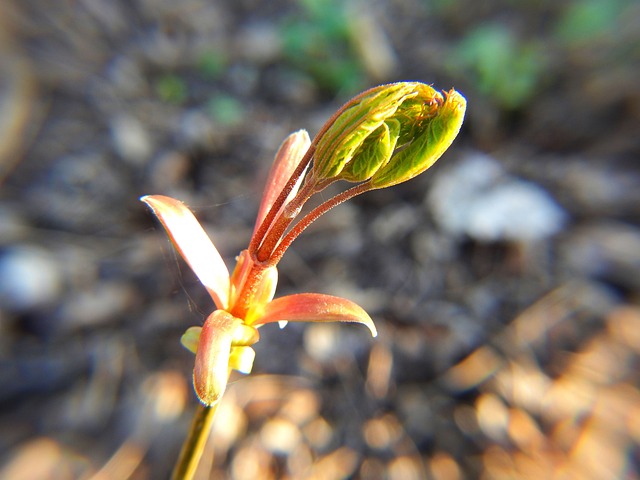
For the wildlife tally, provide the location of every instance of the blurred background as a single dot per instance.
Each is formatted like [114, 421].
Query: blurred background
[504, 282]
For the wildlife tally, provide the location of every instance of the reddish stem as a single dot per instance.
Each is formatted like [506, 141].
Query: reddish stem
[291, 210]
[313, 215]
[240, 308]
[266, 246]
[259, 235]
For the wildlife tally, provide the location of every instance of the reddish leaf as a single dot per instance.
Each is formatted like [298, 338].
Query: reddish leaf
[194, 245]
[315, 307]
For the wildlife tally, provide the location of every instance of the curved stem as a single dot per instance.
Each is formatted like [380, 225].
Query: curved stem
[313, 215]
[193, 446]
[264, 228]
[291, 209]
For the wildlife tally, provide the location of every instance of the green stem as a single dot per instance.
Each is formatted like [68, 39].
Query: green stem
[193, 446]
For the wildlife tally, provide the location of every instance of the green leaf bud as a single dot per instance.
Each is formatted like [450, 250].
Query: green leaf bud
[427, 138]
[357, 120]
[374, 152]
[388, 134]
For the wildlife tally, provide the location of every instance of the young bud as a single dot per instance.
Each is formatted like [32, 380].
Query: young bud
[423, 141]
[374, 152]
[389, 134]
[359, 118]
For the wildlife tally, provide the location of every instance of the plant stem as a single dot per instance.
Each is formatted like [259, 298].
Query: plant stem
[310, 217]
[193, 446]
[266, 247]
[264, 227]
[283, 221]
[247, 289]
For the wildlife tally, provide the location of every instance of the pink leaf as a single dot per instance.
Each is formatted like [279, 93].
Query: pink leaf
[315, 307]
[194, 245]
[287, 159]
[212, 357]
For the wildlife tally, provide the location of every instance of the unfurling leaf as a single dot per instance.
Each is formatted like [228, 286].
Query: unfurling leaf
[388, 134]
[360, 117]
[429, 138]
[374, 152]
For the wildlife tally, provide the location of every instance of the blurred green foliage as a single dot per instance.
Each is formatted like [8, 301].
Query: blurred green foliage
[502, 66]
[318, 43]
[171, 89]
[588, 19]
[226, 110]
[212, 64]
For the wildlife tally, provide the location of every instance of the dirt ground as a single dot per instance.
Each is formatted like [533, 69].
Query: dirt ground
[504, 281]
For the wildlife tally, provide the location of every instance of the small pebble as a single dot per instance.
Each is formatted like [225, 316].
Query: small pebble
[479, 199]
[131, 139]
[100, 304]
[260, 43]
[29, 278]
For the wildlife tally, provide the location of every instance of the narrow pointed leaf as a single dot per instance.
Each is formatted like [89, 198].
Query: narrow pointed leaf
[194, 245]
[315, 307]
[287, 159]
